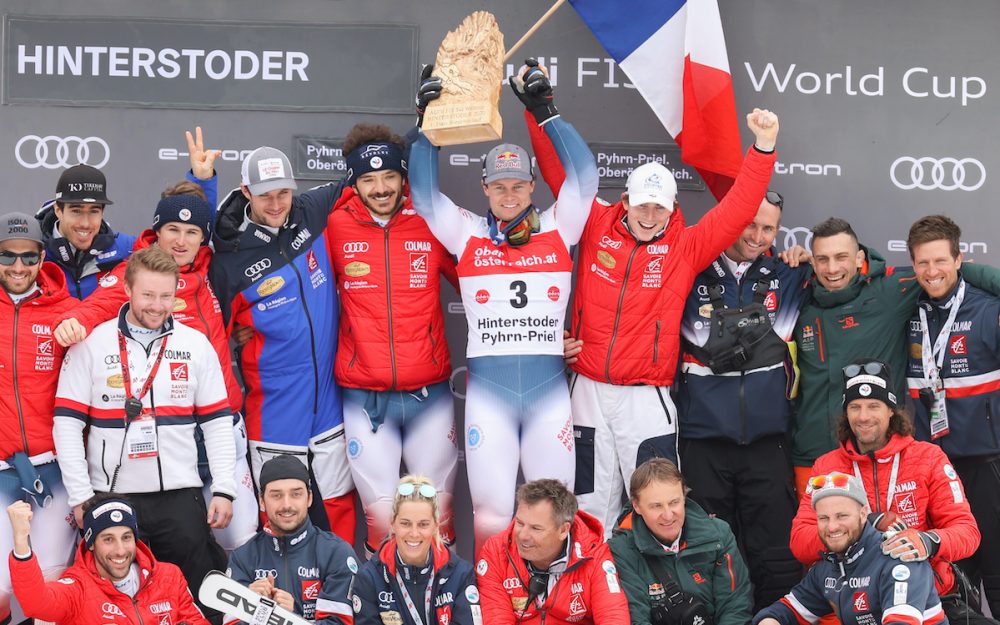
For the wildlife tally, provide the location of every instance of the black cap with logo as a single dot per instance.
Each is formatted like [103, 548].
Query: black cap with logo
[82, 184]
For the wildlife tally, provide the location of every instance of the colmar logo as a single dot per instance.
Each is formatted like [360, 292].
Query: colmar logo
[179, 371]
[958, 345]
[861, 601]
[44, 345]
[311, 263]
[655, 265]
[418, 263]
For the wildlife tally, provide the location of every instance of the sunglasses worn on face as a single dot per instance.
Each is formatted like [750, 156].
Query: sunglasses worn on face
[30, 259]
[773, 197]
[837, 480]
[871, 368]
[426, 490]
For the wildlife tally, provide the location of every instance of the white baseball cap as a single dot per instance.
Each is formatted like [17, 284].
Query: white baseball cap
[654, 183]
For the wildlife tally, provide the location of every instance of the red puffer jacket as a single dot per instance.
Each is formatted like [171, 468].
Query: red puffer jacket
[392, 328]
[30, 359]
[927, 496]
[629, 295]
[82, 597]
[195, 306]
[588, 592]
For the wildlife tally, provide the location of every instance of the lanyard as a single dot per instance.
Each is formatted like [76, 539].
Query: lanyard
[409, 602]
[152, 366]
[933, 359]
[892, 480]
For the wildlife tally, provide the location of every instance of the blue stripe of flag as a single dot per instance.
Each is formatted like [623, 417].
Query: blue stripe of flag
[623, 25]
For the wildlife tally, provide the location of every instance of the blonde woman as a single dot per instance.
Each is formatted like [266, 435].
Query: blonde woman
[414, 579]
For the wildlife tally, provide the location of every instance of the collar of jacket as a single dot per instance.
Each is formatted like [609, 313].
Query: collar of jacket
[867, 543]
[873, 267]
[695, 534]
[292, 542]
[168, 325]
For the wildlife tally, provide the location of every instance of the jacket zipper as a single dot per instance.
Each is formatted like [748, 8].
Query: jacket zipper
[656, 342]
[104, 449]
[354, 355]
[135, 604]
[989, 423]
[312, 336]
[388, 305]
[878, 498]
[430, 330]
[618, 314]
[17, 394]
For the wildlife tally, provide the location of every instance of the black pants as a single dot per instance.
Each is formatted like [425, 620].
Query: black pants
[981, 479]
[752, 488]
[960, 613]
[173, 526]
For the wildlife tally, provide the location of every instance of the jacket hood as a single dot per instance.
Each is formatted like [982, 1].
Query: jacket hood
[47, 219]
[52, 282]
[873, 267]
[201, 259]
[227, 236]
[896, 444]
[387, 555]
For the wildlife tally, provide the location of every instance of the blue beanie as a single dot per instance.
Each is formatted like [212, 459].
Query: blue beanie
[370, 157]
[108, 513]
[187, 209]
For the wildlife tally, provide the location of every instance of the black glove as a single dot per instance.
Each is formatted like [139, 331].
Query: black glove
[535, 91]
[429, 89]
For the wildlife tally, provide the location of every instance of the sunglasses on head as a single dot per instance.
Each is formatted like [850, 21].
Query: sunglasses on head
[871, 368]
[773, 197]
[836, 480]
[425, 490]
[30, 259]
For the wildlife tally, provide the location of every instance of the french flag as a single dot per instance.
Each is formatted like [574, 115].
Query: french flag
[674, 53]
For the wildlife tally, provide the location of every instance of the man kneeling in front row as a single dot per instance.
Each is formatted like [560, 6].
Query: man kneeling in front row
[855, 580]
[114, 573]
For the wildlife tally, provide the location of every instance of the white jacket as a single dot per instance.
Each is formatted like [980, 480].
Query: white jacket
[188, 388]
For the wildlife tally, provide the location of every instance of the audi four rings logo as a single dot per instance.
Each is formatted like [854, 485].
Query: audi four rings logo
[945, 174]
[797, 236]
[257, 267]
[355, 247]
[52, 152]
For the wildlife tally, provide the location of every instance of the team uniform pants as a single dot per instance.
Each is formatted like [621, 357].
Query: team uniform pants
[173, 525]
[617, 428]
[516, 413]
[981, 479]
[52, 529]
[326, 454]
[246, 516]
[752, 488]
[384, 428]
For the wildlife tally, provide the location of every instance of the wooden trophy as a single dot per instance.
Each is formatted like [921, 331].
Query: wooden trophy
[470, 64]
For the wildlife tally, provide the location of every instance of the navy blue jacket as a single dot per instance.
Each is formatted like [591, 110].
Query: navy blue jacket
[971, 373]
[739, 406]
[862, 587]
[316, 567]
[282, 285]
[377, 600]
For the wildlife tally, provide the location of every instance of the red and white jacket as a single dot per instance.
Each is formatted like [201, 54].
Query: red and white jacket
[588, 592]
[29, 366]
[391, 325]
[629, 295]
[82, 597]
[186, 389]
[927, 495]
[195, 306]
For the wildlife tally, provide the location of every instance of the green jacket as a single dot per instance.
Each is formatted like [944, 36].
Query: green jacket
[708, 565]
[867, 319]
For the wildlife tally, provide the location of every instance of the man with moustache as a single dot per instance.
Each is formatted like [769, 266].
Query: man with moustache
[855, 580]
[114, 573]
[32, 297]
[392, 359]
[138, 385]
[308, 571]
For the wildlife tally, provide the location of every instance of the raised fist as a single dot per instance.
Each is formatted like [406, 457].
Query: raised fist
[764, 125]
[428, 90]
[532, 87]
